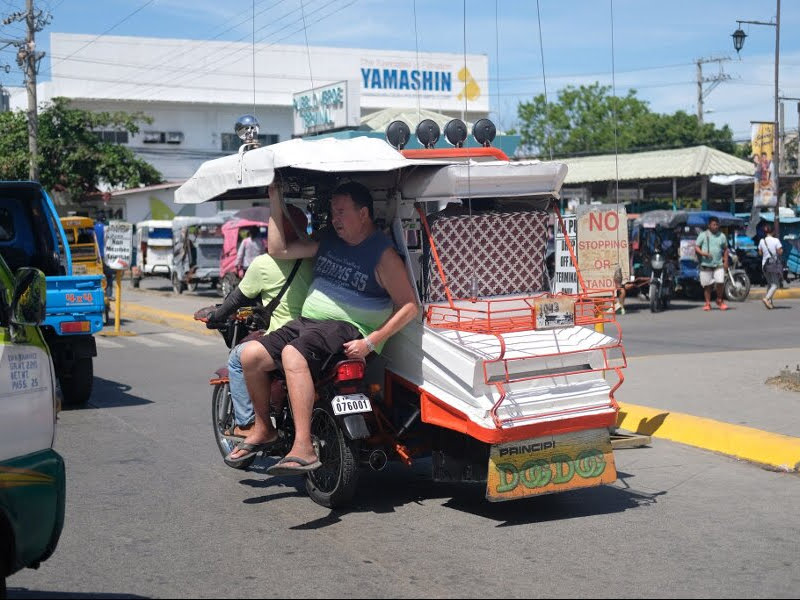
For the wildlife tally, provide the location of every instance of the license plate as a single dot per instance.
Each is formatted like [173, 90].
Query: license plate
[550, 464]
[78, 269]
[350, 404]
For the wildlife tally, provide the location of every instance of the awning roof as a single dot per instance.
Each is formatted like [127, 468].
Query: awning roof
[250, 173]
[659, 164]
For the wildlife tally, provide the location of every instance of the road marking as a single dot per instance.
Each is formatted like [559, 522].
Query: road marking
[104, 343]
[146, 341]
[187, 339]
[773, 449]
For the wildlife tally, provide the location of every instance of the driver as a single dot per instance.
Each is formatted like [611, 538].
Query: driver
[360, 296]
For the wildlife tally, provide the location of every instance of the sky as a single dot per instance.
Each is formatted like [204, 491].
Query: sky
[647, 45]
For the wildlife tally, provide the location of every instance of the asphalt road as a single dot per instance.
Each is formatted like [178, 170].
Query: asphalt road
[153, 512]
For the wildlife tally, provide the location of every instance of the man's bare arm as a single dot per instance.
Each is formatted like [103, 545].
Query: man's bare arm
[276, 240]
[393, 277]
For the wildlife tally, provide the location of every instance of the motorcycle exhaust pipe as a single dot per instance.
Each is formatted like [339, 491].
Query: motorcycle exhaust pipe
[378, 460]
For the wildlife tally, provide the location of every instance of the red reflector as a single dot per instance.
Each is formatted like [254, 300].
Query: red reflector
[75, 327]
[349, 370]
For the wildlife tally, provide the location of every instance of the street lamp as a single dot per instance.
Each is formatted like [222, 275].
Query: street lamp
[738, 39]
[738, 42]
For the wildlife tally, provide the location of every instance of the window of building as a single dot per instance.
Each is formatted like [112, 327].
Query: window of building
[113, 137]
[231, 141]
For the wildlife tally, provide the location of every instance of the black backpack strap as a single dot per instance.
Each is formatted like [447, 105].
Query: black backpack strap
[273, 304]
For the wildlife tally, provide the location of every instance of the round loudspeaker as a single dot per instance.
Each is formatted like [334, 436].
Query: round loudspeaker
[428, 133]
[455, 132]
[398, 134]
[484, 132]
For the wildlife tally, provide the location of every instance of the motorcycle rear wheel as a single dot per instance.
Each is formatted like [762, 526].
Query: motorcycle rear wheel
[334, 484]
[739, 294]
[221, 421]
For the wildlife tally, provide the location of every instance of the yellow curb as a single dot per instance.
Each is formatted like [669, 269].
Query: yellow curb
[773, 449]
[131, 310]
[780, 294]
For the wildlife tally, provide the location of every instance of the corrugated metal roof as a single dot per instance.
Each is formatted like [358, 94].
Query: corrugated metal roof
[659, 164]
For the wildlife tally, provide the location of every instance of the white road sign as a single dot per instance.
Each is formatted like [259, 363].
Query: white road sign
[119, 245]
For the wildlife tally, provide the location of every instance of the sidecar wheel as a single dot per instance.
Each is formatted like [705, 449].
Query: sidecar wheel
[334, 484]
[222, 420]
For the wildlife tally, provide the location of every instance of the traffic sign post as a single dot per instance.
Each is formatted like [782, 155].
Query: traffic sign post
[118, 256]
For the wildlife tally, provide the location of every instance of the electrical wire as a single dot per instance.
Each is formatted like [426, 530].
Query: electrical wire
[544, 79]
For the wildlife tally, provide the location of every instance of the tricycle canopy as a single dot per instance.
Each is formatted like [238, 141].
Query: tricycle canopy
[247, 175]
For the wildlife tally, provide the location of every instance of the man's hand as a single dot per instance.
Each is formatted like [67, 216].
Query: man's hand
[356, 349]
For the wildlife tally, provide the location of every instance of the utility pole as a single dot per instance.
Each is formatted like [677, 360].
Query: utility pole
[28, 59]
[714, 81]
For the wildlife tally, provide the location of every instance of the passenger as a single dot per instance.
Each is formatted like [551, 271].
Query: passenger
[360, 296]
[265, 277]
[249, 249]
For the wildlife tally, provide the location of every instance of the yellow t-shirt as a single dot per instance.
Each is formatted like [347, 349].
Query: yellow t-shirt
[266, 276]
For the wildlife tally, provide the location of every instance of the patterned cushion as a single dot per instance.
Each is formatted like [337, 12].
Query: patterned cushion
[505, 251]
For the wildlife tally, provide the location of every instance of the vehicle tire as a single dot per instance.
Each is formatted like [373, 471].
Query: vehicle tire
[77, 385]
[221, 421]
[735, 294]
[653, 295]
[177, 284]
[334, 484]
[135, 282]
[192, 286]
[229, 283]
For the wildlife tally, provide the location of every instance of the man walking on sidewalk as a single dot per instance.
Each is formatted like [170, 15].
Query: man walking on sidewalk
[712, 247]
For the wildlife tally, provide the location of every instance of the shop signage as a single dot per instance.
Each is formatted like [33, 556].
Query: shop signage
[325, 108]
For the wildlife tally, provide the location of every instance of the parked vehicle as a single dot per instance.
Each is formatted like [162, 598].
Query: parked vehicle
[233, 232]
[32, 478]
[475, 384]
[31, 235]
[153, 245]
[86, 255]
[196, 252]
[654, 244]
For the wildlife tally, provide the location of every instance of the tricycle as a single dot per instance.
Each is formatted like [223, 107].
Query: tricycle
[196, 252]
[499, 381]
[233, 232]
[153, 245]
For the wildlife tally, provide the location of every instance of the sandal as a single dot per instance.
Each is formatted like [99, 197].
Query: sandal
[303, 466]
[251, 450]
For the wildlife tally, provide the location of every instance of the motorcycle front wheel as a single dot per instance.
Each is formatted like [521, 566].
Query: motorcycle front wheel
[334, 483]
[655, 298]
[738, 293]
[222, 421]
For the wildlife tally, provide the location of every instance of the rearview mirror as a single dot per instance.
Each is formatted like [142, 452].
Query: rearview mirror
[30, 297]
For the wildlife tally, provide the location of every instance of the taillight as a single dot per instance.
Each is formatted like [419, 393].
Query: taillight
[76, 327]
[349, 370]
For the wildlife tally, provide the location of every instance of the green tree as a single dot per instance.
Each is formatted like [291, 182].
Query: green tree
[584, 118]
[72, 156]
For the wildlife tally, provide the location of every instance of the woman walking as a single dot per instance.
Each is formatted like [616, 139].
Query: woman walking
[770, 250]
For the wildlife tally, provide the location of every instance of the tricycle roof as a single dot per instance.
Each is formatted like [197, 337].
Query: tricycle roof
[248, 174]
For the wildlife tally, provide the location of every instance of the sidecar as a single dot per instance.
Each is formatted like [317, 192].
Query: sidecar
[499, 381]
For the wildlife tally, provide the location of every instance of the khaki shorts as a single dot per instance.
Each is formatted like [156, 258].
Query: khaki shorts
[711, 276]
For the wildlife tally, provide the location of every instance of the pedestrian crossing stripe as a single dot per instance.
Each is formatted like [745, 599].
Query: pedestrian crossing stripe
[156, 340]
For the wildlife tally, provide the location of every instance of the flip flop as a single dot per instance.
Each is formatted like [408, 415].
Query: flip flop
[304, 466]
[251, 450]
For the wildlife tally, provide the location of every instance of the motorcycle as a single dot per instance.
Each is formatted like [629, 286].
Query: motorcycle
[338, 422]
[662, 282]
[737, 281]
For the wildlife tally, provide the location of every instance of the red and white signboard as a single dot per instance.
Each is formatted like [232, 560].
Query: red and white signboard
[602, 245]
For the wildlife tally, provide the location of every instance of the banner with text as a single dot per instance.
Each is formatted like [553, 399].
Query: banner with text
[603, 246]
[119, 245]
[565, 280]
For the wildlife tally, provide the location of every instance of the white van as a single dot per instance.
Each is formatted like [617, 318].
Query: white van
[32, 477]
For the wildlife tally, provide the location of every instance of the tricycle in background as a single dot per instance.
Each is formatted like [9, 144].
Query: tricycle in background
[196, 252]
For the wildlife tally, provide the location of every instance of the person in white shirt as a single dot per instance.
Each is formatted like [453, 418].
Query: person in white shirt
[249, 249]
[770, 250]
